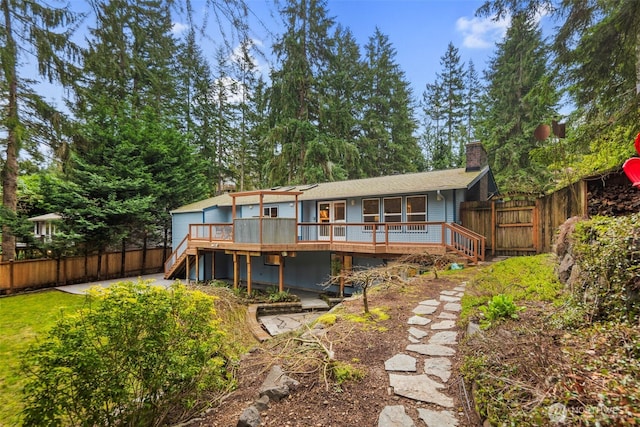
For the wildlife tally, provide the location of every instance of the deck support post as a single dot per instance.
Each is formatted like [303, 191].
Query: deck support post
[235, 270]
[186, 279]
[197, 266]
[213, 265]
[248, 273]
[280, 273]
[342, 271]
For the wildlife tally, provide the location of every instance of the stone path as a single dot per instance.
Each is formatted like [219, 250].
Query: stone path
[423, 371]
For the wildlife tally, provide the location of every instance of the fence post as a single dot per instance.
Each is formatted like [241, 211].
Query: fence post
[10, 276]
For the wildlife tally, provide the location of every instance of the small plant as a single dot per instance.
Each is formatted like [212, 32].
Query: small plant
[342, 372]
[500, 307]
[328, 319]
[274, 295]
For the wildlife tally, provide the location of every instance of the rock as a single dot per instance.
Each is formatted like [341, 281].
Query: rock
[425, 309]
[401, 362]
[277, 385]
[444, 337]
[418, 333]
[450, 293]
[262, 404]
[564, 269]
[452, 306]
[437, 418]
[418, 320]
[447, 298]
[250, 417]
[445, 324]
[419, 387]
[431, 302]
[446, 315]
[394, 416]
[431, 349]
[439, 367]
[473, 328]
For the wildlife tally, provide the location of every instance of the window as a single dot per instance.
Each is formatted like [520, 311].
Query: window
[270, 212]
[370, 212]
[416, 212]
[393, 211]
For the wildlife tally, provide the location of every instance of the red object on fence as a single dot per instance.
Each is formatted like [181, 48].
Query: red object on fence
[632, 169]
[632, 166]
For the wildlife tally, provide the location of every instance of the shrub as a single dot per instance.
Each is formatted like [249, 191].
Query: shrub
[132, 355]
[343, 372]
[274, 295]
[607, 251]
[499, 307]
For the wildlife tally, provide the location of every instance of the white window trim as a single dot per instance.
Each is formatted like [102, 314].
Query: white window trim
[426, 208]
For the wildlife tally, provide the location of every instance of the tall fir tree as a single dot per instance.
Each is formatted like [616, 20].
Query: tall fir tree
[245, 74]
[519, 97]
[302, 53]
[42, 31]
[127, 155]
[388, 144]
[444, 103]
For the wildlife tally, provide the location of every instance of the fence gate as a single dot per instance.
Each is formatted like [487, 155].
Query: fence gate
[511, 228]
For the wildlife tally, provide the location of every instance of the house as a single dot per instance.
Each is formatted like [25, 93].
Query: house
[297, 236]
[44, 226]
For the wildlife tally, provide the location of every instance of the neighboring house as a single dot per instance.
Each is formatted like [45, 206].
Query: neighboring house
[297, 236]
[44, 226]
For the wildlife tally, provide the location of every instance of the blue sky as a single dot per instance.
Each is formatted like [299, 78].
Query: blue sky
[419, 30]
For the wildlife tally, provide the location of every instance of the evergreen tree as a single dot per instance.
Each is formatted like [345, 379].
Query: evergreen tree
[302, 52]
[452, 79]
[130, 160]
[388, 144]
[439, 155]
[245, 73]
[444, 103]
[340, 106]
[473, 91]
[28, 27]
[518, 98]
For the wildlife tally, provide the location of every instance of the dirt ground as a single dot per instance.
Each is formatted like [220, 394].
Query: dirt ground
[321, 402]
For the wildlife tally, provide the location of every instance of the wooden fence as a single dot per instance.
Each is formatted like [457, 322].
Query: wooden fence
[41, 273]
[521, 227]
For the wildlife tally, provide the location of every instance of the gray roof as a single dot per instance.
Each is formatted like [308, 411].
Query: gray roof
[419, 182]
[46, 217]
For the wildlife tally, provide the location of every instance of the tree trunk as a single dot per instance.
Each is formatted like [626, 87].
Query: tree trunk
[144, 255]
[10, 170]
[123, 257]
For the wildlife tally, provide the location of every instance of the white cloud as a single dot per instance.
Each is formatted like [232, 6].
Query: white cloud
[179, 27]
[481, 33]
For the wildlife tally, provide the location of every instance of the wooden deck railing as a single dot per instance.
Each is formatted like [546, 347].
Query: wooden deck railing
[465, 242]
[365, 235]
[177, 253]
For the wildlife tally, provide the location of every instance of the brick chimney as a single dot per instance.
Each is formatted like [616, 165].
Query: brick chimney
[476, 156]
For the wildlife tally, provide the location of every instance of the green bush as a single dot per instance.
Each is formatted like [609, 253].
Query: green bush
[132, 356]
[274, 295]
[498, 308]
[607, 251]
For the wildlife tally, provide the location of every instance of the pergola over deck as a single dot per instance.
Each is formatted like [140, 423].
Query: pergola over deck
[261, 194]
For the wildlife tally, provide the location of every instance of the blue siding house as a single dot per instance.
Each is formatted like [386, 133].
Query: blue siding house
[297, 236]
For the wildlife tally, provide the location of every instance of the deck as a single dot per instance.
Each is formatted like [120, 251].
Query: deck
[285, 236]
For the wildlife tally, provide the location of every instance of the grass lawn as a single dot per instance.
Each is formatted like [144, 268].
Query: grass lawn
[22, 319]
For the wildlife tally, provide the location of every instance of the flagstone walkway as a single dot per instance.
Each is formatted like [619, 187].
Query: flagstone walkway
[422, 372]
